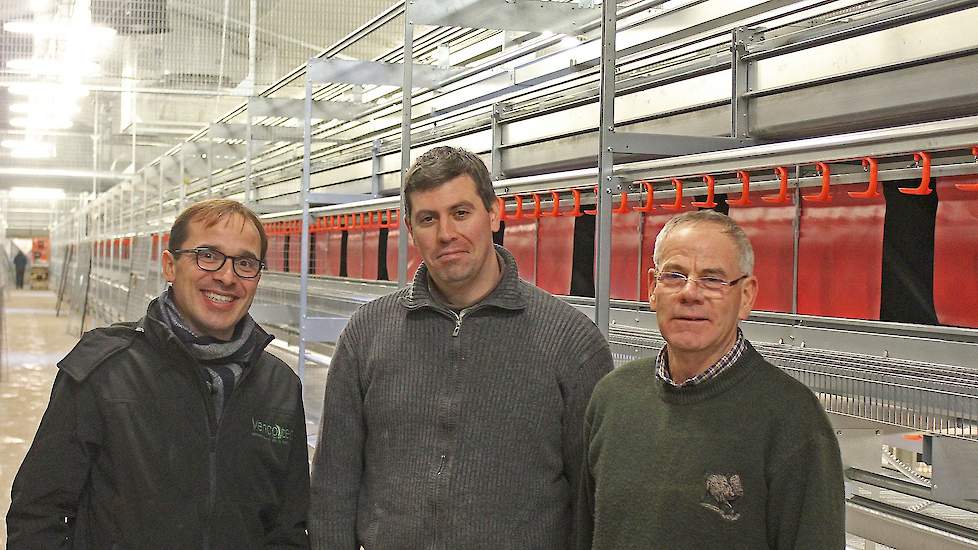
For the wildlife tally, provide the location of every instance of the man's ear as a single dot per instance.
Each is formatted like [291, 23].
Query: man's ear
[651, 283]
[748, 295]
[169, 266]
[494, 216]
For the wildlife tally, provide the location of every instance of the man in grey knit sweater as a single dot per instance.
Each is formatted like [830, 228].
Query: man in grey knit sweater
[707, 445]
[453, 408]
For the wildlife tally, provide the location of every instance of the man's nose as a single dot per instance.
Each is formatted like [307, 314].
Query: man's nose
[691, 291]
[226, 273]
[446, 229]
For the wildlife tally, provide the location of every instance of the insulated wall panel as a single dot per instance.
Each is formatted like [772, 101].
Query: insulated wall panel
[555, 254]
[956, 253]
[770, 228]
[520, 239]
[840, 255]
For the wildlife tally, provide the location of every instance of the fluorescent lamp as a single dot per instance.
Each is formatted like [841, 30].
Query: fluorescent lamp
[61, 108]
[41, 123]
[30, 149]
[64, 30]
[47, 90]
[55, 67]
[36, 193]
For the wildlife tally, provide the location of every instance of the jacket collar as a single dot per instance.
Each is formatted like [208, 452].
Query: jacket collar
[154, 326]
[508, 294]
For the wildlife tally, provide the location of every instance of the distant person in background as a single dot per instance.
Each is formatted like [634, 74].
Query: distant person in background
[20, 265]
[180, 430]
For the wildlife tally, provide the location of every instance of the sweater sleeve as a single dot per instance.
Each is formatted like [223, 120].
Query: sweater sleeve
[47, 489]
[584, 514]
[577, 394]
[290, 525]
[338, 462]
[806, 496]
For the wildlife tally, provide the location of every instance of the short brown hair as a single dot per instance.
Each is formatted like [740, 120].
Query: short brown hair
[442, 164]
[210, 212]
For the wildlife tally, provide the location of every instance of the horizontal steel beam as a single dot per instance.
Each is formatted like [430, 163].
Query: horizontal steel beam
[898, 528]
[61, 173]
[504, 15]
[296, 108]
[343, 71]
[670, 145]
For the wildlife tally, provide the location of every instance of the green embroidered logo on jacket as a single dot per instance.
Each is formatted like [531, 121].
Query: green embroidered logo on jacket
[271, 432]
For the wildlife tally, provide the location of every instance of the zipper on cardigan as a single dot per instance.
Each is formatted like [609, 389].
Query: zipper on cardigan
[441, 466]
[458, 322]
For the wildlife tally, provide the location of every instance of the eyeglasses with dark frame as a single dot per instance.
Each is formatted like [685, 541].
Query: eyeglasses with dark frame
[210, 259]
[674, 282]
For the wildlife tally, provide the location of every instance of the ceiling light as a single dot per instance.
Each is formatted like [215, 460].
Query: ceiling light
[29, 148]
[54, 67]
[48, 89]
[41, 123]
[61, 29]
[37, 193]
[62, 108]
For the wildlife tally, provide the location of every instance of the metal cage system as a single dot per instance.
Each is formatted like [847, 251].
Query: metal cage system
[808, 121]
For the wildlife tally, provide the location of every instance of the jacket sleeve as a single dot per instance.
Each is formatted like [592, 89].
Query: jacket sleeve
[338, 462]
[290, 528]
[806, 496]
[47, 489]
[577, 394]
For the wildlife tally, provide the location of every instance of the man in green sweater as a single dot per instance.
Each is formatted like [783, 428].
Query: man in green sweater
[707, 445]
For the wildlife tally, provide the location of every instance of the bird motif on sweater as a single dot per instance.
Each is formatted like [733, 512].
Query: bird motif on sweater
[721, 491]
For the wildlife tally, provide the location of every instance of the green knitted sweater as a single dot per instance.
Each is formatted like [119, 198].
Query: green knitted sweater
[745, 460]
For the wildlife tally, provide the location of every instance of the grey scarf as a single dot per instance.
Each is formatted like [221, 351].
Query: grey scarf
[224, 360]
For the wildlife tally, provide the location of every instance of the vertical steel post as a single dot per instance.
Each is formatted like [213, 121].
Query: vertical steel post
[606, 125]
[249, 186]
[495, 155]
[796, 239]
[183, 188]
[406, 87]
[304, 195]
[375, 168]
[740, 77]
[210, 163]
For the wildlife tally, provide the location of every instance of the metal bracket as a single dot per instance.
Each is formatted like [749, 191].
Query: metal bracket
[324, 71]
[505, 15]
[668, 145]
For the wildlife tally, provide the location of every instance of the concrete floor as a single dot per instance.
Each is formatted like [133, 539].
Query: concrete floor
[34, 340]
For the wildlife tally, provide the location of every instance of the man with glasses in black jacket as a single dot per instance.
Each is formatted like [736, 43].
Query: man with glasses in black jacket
[180, 430]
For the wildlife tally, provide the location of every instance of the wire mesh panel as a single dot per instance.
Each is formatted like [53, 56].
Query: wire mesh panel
[138, 278]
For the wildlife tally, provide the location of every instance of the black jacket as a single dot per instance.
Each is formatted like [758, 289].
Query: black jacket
[129, 455]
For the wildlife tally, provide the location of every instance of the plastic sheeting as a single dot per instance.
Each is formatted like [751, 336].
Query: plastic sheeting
[840, 256]
[956, 253]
